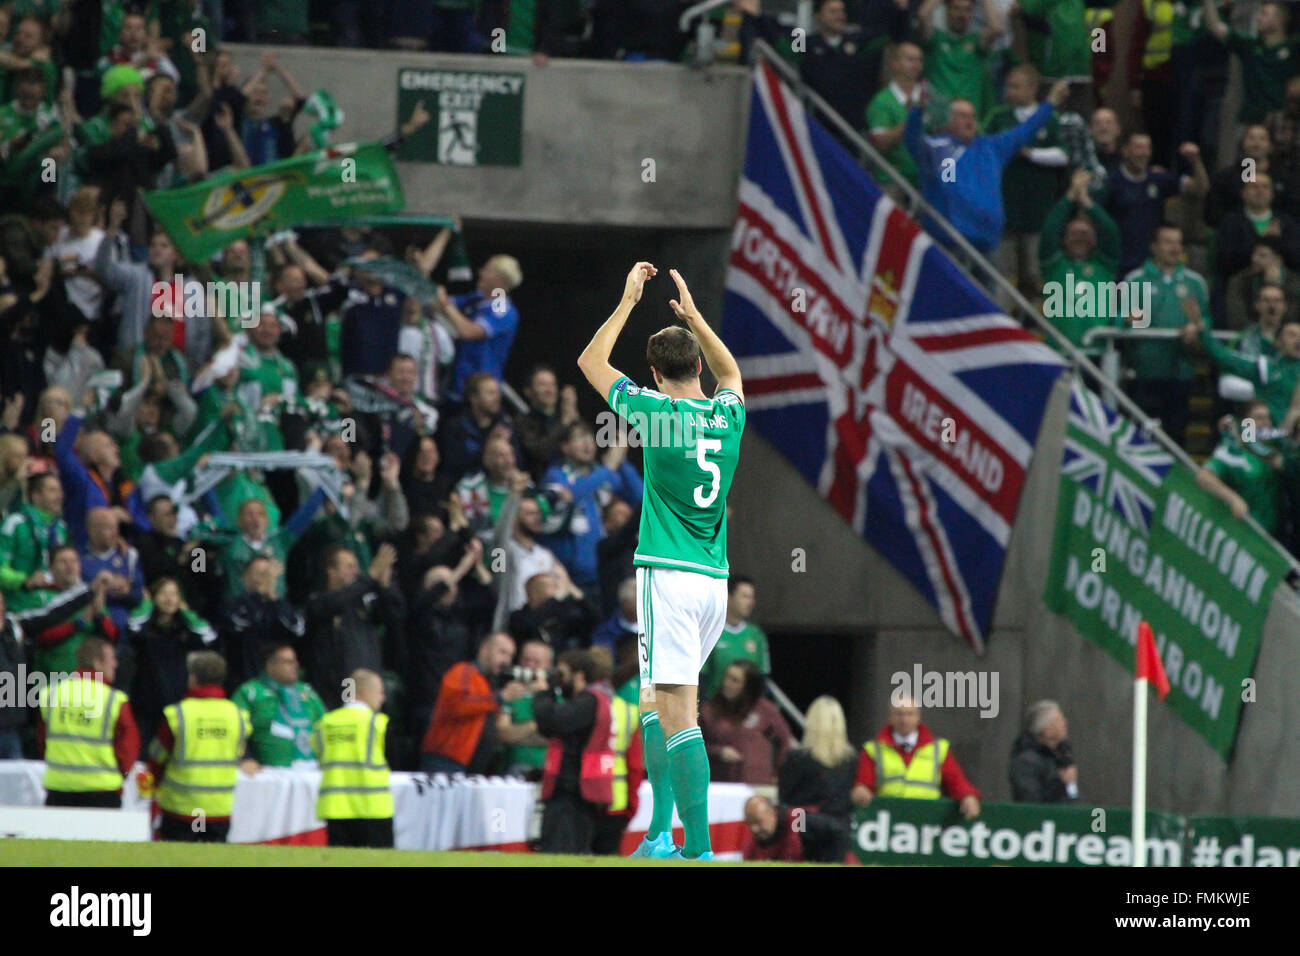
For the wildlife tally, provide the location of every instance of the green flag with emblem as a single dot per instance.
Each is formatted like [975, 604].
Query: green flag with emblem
[1138, 540]
[330, 185]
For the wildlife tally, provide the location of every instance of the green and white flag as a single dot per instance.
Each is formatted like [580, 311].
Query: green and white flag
[894, 831]
[1137, 539]
[339, 184]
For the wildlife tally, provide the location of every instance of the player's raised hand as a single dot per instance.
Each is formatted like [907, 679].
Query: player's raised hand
[684, 305]
[636, 280]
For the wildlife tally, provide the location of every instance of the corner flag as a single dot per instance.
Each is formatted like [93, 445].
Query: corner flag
[1148, 670]
[1149, 666]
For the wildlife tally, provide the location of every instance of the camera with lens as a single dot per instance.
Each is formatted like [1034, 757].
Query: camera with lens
[529, 675]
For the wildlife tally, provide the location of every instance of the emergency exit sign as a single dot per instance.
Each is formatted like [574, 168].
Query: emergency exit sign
[477, 117]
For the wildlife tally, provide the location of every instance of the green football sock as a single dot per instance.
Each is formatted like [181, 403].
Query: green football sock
[656, 768]
[690, 775]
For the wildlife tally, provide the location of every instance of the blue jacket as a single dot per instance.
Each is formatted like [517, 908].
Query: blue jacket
[610, 631]
[970, 196]
[369, 330]
[575, 548]
[80, 489]
[126, 564]
[500, 320]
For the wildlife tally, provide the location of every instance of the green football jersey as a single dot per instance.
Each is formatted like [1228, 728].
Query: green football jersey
[690, 450]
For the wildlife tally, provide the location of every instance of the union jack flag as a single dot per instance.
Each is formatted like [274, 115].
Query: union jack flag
[1113, 458]
[874, 364]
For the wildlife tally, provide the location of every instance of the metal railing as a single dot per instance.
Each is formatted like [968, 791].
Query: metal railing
[786, 704]
[1113, 334]
[982, 272]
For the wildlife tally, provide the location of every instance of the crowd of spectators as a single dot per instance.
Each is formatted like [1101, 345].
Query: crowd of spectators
[1108, 202]
[479, 554]
[476, 553]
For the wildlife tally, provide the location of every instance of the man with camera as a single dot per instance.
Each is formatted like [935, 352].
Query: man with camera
[462, 735]
[525, 749]
[1042, 763]
[578, 777]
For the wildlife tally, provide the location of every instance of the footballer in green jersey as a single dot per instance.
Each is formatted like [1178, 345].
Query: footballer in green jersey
[691, 445]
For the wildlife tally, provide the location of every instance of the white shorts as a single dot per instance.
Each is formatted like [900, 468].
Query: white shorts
[680, 615]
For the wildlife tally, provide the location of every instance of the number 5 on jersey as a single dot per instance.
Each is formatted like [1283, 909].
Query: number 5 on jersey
[702, 447]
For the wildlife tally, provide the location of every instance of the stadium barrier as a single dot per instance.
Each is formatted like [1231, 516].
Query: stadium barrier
[431, 811]
[894, 831]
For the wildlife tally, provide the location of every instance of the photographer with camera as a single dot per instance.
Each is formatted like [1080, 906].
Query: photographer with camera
[525, 753]
[1042, 761]
[462, 735]
[578, 777]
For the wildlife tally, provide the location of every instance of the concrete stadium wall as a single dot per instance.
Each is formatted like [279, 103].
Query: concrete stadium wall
[849, 586]
[588, 127]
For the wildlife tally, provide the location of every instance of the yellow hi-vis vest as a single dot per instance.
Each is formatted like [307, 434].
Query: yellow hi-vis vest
[1160, 39]
[349, 744]
[80, 716]
[210, 735]
[624, 722]
[919, 779]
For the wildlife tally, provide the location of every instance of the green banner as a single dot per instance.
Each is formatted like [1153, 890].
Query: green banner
[330, 185]
[1137, 539]
[478, 116]
[893, 831]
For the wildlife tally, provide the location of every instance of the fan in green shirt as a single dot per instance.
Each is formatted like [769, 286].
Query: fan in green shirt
[887, 111]
[268, 381]
[523, 758]
[741, 640]
[1268, 59]
[1059, 42]
[283, 710]
[25, 55]
[1169, 290]
[1274, 376]
[26, 115]
[1270, 308]
[257, 536]
[1078, 250]
[1032, 180]
[28, 539]
[956, 58]
[1247, 476]
[525, 752]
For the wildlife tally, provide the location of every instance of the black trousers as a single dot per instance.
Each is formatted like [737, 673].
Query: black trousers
[370, 833]
[88, 798]
[568, 824]
[1165, 399]
[181, 830]
[608, 839]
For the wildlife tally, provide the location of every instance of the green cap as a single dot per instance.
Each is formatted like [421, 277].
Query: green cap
[118, 78]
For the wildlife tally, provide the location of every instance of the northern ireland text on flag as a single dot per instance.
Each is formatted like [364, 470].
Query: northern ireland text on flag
[876, 366]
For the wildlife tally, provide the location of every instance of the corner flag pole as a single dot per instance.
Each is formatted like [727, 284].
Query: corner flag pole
[1148, 668]
[1140, 771]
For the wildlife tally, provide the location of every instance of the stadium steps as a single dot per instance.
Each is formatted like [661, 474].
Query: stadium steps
[1203, 408]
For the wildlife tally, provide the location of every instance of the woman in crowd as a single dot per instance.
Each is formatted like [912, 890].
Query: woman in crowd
[163, 633]
[819, 774]
[746, 736]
